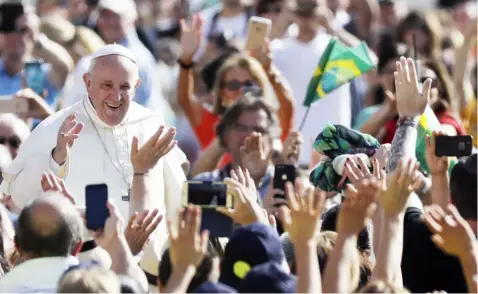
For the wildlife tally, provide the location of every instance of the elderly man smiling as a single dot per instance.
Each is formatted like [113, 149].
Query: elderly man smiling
[105, 138]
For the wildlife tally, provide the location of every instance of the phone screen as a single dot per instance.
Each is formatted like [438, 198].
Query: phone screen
[208, 194]
[96, 209]
[283, 173]
[34, 76]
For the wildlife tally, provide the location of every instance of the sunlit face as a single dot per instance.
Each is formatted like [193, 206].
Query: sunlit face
[234, 82]
[10, 138]
[112, 26]
[111, 86]
[247, 123]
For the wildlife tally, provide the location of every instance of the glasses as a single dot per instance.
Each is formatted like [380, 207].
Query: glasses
[13, 142]
[234, 85]
[249, 129]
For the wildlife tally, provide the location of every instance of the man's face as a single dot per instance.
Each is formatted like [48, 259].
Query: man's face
[15, 45]
[112, 26]
[248, 122]
[10, 139]
[111, 86]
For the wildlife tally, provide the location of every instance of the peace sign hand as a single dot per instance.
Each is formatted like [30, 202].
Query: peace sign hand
[67, 134]
[145, 158]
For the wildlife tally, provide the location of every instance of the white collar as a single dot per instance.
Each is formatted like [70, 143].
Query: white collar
[95, 119]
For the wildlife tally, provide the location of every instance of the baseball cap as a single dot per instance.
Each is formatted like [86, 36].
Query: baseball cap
[268, 277]
[249, 246]
[121, 7]
[211, 287]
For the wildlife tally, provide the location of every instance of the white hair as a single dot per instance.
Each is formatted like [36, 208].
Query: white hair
[5, 158]
[19, 127]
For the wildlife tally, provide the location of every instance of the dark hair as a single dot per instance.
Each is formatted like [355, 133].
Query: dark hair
[201, 275]
[249, 102]
[389, 49]
[444, 85]
[463, 187]
[209, 72]
[262, 6]
[48, 242]
[418, 20]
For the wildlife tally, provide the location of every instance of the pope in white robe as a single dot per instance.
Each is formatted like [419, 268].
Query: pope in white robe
[101, 151]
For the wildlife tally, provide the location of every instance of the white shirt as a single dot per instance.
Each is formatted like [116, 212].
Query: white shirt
[236, 24]
[89, 162]
[39, 275]
[297, 61]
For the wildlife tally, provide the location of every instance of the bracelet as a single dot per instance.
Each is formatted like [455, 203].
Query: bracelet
[140, 174]
[407, 121]
[184, 65]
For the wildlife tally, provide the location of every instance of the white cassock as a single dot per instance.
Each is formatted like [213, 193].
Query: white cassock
[101, 154]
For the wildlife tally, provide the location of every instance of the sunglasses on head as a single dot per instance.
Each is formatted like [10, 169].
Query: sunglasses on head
[234, 85]
[13, 142]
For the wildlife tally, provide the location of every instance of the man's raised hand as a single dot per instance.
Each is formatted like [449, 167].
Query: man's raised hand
[67, 134]
[145, 158]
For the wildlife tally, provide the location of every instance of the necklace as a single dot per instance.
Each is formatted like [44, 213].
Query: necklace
[122, 171]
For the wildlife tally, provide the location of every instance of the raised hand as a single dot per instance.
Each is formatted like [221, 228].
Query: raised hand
[411, 100]
[67, 134]
[301, 218]
[394, 198]
[246, 211]
[255, 157]
[187, 246]
[264, 56]
[140, 227]
[37, 106]
[451, 233]
[190, 38]
[291, 148]
[358, 206]
[145, 158]
[436, 165]
[245, 179]
[50, 182]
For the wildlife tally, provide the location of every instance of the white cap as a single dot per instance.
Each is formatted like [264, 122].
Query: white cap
[121, 7]
[114, 49]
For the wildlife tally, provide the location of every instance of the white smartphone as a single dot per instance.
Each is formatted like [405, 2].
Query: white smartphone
[258, 31]
[13, 105]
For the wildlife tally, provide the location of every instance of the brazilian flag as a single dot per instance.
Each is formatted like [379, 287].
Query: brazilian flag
[338, 65]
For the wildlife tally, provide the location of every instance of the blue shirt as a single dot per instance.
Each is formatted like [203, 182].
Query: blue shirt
[9, 85]
[146, 64]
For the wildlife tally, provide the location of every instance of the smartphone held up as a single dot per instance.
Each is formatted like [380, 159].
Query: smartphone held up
[97, 211]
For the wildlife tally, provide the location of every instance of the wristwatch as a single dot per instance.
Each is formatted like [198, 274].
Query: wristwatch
[184, 65]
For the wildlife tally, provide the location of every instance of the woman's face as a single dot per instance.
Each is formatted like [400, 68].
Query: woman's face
[234, 82]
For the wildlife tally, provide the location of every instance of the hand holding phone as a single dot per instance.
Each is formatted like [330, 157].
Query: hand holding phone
[283, 173]
[96, 206]
[457, 146]
[258, 31]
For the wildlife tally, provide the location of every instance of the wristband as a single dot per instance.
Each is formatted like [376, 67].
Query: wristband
[140, 174]
[407, 121]
[184, 65]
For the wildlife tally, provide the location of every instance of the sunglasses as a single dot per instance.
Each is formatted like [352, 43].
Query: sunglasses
[234, 85]
[13, 142]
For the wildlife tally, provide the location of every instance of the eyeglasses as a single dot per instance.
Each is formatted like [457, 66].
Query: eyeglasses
[13, 142]
[249, 129]
[234, 85]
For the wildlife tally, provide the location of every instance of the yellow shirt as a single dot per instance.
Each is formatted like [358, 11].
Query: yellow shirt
[469, 118]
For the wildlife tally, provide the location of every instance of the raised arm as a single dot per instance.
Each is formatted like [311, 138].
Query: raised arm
[411, 104]
[190, 42]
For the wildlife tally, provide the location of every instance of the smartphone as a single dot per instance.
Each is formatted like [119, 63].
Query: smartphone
[206, 194]
[34, 76]
[96, 209]
[13, 105]
[283, 173]
[9, 13]
[457, 146]
[258, 31]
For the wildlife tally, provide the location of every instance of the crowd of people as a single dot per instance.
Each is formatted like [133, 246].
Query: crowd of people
[145, 95]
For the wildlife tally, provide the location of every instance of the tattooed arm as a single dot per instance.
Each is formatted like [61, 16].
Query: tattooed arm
[411, 104]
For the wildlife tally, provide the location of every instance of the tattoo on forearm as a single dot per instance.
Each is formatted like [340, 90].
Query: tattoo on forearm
[403, 144]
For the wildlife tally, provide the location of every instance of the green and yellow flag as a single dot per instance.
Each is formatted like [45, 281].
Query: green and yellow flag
[338, 65]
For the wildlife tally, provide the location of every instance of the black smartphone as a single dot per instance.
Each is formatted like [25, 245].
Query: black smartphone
[206, 194]
[283, 173]
[210, 195]
[9, 13]
[96, 209]
[34, 76]
[457, 146]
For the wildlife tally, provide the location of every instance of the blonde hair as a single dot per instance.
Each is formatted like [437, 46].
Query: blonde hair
[89, 280]
[242, 61]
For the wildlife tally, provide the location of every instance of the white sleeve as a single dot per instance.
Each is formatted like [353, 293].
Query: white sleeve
[26, 184]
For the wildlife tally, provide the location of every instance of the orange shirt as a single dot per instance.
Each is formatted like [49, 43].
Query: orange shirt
[206, 130]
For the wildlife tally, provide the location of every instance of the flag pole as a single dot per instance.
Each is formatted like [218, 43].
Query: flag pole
[415, 56]
[303, 119]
